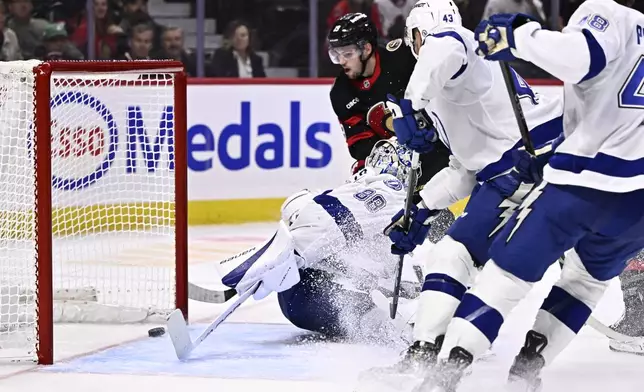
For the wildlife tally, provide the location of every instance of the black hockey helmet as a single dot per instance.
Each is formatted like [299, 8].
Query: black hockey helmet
[353, 29]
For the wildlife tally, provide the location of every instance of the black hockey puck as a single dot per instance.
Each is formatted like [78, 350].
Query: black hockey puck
[156, 332]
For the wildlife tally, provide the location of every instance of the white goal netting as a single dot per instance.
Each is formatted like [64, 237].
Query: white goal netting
[112, 203]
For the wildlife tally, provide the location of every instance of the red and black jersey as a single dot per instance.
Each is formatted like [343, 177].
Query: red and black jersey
[352, 99]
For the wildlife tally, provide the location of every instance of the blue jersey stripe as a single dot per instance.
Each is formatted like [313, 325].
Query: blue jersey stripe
[342, 216]
[608, 165]
[597, 56]
[540, 135]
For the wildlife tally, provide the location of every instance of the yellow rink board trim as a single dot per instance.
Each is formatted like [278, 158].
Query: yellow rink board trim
[209, 212]
[91, 219]
[148, 216]
[250, 210]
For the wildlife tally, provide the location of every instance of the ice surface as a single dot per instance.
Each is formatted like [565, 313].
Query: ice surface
[258, 351]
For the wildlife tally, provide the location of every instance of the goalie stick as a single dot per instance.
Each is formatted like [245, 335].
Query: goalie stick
[178, 328]
[411, 187]
[203, 294]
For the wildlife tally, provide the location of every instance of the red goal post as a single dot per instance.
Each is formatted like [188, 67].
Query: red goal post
[93, 197]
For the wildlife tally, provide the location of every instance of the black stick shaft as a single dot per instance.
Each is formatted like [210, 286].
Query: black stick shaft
[516, 106]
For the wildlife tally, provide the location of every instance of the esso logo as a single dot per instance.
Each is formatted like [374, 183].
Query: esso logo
[84, 140]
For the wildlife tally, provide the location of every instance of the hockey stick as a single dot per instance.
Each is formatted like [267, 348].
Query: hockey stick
[178, 329]
[608, 332]
[516, 106]
[411, 187]
[203, 294]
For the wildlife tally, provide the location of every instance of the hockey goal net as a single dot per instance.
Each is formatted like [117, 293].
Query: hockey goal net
[92, 197]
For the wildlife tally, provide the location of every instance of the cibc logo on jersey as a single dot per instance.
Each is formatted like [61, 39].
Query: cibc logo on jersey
[86, 140]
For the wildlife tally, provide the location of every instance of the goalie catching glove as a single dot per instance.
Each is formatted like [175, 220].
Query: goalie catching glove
[405, 240]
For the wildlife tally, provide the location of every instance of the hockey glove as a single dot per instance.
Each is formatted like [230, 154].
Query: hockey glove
[405, 241]
[380, 120]
[496, 36]
[530, 168]
[413, 128]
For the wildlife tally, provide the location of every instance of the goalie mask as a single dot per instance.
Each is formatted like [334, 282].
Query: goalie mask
[388, 157]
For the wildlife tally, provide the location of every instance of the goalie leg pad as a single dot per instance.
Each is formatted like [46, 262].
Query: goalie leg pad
[450, 270]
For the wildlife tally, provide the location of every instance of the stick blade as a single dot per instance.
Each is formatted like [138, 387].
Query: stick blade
[178, 331]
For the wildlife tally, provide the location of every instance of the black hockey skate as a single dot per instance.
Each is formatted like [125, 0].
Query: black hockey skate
[420, 356]
[446, 375]
[524, 373]
[403, 375]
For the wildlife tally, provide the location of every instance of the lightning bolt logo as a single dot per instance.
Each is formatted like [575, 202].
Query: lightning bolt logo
[524, 209]
[505, 216]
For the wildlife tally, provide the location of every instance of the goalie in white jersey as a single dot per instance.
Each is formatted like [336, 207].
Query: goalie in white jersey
[330, 254]
[591, 199]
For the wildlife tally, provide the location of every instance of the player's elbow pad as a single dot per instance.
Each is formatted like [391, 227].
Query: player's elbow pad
[450, 185]
[567, 56]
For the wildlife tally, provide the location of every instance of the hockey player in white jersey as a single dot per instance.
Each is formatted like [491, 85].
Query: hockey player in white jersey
[462, 100]
[591, 199]
[330, 252]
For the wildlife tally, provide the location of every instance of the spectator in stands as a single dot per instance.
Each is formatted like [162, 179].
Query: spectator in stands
[10, 48]
[393, 15]
[344, 7]
[135, 12]
[140, 42]
[529, 7]
[566, 9]
[55, 44]
[106, 33]
[28, 30]
[237, 58]
[172, 48]
[471, 12]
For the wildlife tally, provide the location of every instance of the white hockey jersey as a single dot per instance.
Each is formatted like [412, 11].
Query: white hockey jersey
[467, 100]
[600, 58]
[350, 219]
